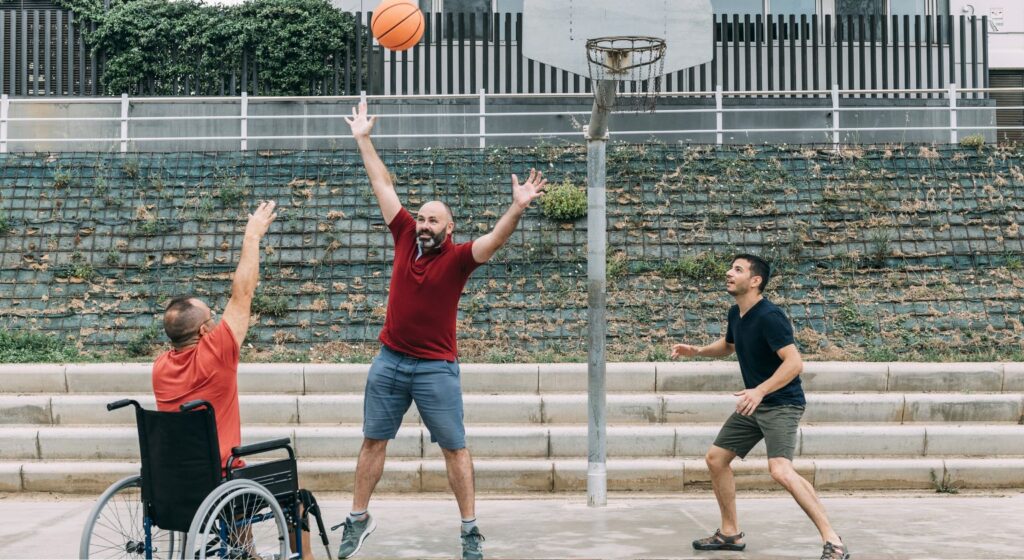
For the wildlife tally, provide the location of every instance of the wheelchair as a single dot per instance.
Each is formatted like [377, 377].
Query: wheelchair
[184, 505]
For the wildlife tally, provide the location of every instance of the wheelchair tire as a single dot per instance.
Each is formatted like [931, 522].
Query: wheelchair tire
[222, 527]
[114, 528]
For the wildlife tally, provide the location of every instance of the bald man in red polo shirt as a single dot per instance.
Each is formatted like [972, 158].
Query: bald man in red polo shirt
[418, 360]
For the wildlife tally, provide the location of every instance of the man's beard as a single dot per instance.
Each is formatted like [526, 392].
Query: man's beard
[433, 242]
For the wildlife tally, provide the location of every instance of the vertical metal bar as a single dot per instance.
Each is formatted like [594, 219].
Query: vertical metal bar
[486, 45]
[861, 39]
[342, 72]
[917, 53]
[828, 50]
[449, 34]
[24, 52]
[124, 123]
[792, 31]
[428, 46]
[940, 48]
[783, 37]
[885, 53]
[835, 116]
[47, 76]
[519, 56]
[462, 52]
[371, 66]
[438, 50]
[5, 104]
[950, 31]
[975, 58]
[405, 71]
[691, 79]
[953, 130]
[483, 115]
[719, 121]
[851, 35]
[359, 52]
[244, 122]
[714, 53]
[35, 52]
[928, 52]
[984, 53]
[906, 53]
[244, 77]
[736, 52]
[769, 28]
[963, 51]
[472, 51]
[3, 50]
[725, 51]
[59, 51]
[497, 55]
[392, 63]
[530, 64]
[759, 48]
[896, 54]
[508, 53]
[874, 59]
[747, 85]
[803, 52]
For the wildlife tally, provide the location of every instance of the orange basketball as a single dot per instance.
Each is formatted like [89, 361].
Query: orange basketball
[397, 24]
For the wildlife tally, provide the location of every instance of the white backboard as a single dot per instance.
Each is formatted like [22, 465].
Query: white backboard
[555, 32]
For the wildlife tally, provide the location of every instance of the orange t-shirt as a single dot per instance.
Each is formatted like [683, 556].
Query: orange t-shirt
[207, 371]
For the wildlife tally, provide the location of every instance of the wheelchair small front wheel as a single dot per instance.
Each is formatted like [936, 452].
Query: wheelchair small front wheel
[240, 519]
[116, 527]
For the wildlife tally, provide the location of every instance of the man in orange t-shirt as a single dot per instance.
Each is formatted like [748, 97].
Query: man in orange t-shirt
[203, 361]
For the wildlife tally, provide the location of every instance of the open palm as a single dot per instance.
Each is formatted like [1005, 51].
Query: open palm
[525, 193]
[360, 122]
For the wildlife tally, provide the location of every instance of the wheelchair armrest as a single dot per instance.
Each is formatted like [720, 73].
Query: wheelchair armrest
[262, 447]
[191, 405]
[121, 404]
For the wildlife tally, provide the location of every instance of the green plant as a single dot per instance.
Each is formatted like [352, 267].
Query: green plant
[61, 178]
[617, 266]
[564, 202]
[234, 190]
[130, 168]
[943, 486]
[148, 227]
[77, 268]
[976, 141]
[113, 258]
[142, 343]
[705, 266]
[5, 224]
[21, 346]
[271, 305]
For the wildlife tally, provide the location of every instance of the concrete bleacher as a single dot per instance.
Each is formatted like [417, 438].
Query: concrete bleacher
[888, 426]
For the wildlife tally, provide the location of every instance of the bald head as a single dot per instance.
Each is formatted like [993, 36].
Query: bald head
[183, 318]
[435, 207]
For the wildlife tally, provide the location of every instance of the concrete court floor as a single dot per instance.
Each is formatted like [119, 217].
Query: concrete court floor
[875, 525]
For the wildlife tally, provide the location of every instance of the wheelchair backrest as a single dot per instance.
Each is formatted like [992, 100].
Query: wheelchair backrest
[180, 463]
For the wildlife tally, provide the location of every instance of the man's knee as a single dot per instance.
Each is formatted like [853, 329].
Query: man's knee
[374, 445]
[718, 458]
[782, 470]
[456, 452]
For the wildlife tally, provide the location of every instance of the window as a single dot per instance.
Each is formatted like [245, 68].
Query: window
[752, 7]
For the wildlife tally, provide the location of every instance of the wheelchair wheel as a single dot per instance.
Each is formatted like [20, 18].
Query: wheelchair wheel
[115, 526]
[240, 519]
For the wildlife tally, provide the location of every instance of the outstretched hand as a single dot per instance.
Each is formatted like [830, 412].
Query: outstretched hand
[681, 350]
[525, 193]
[360, 122]
[260, 220]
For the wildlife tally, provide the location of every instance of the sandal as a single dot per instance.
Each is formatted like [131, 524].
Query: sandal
[833, 551]
[718, 541]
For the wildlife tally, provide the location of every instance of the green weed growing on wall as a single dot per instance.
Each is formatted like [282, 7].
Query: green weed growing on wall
[564, 202]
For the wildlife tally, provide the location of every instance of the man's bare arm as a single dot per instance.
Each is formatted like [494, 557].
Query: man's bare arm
[485, 246]
[717, 349]
[380, 178]
[247, 275]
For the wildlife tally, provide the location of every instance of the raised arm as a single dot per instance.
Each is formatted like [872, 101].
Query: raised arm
[522, 195]
[380, 179]
[717, 349]
[247, 275]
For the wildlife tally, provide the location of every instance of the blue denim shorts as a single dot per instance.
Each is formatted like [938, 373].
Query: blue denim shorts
[396, 380]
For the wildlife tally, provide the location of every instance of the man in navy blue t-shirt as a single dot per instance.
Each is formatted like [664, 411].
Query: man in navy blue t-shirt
[769, 408]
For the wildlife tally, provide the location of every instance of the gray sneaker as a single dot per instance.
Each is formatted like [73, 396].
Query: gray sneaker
[354, 534]
[472, 547]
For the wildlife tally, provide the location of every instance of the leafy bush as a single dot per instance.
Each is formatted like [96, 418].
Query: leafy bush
[565, 202]
[164, 41]
[271, 305]
[26, 347]
[976, 141]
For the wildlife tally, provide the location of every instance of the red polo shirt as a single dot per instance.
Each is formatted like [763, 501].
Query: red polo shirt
[423, 303]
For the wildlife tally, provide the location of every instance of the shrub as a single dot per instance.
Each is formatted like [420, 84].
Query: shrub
[27, 347]
[976, 141]
[564, 202]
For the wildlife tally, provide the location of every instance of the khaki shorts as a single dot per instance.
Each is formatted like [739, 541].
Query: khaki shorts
[777, 425]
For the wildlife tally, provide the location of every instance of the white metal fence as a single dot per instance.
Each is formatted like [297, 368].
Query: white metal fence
[124, 124]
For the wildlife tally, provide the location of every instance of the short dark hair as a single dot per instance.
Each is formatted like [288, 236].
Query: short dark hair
[182, 319]
[758, 267]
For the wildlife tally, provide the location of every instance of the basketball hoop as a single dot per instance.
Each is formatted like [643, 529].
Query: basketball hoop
[635, 59]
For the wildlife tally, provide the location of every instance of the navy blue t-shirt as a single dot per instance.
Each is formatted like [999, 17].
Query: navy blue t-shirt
[758, 336]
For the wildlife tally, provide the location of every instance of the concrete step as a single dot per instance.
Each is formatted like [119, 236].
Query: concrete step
[569, 475]
[538, 442]
[646, 377]
[559, 408]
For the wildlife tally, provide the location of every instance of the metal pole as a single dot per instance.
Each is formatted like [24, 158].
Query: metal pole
[835, 116]
[483, 118]
[718, 115]
[953, 131]
[124, 122]
[5, 104]
[597, 139]
[244, 123]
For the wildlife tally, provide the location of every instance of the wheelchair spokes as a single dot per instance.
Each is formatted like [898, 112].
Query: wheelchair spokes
[116, 527]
